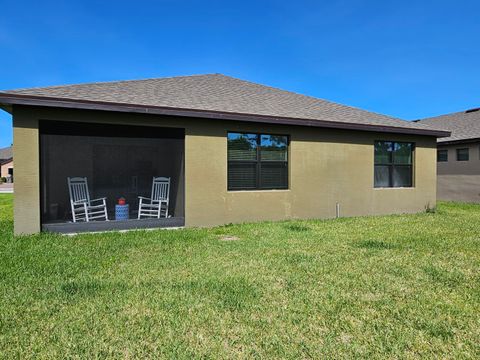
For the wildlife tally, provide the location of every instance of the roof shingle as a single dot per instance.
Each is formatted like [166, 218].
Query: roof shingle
[464, 125]
[216, 92]
[6, 153]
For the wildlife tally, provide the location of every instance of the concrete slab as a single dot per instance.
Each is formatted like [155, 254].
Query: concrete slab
[6, 188]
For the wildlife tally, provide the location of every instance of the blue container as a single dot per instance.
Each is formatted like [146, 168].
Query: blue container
[121, 212]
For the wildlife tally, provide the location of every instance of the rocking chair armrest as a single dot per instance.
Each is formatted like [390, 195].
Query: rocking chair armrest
[99, 199]
[148, 201]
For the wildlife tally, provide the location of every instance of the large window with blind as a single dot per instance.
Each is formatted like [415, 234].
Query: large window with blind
[257, 161]
[393, 164]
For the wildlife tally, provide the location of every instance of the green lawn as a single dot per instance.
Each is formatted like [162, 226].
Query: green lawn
[372, 287]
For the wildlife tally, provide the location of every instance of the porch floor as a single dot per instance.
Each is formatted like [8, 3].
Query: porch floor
[113, 225]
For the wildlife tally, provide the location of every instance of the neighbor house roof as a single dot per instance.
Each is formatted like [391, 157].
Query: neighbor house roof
[6, 161]
[6, 153]
[464, 125]
[212, 96]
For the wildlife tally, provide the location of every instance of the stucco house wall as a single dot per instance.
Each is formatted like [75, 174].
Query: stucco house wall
[459, 180]
[4, 167]
[326, 167]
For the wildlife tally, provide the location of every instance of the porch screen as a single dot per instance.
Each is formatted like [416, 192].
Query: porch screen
[118, 162]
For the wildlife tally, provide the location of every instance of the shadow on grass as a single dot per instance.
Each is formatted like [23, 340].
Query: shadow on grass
[436, 328]
[443, 277]
[297, 227]
[299, 259]
[81, 289]
[376, 245]
[231, 293]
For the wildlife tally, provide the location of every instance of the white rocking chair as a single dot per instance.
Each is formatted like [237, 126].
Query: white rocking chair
[84, 208]
[157, 205]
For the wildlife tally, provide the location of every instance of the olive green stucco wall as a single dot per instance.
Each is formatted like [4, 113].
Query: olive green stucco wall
[26, 153]
[326, 166]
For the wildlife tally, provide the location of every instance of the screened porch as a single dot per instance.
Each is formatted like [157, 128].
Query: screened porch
[98, 177]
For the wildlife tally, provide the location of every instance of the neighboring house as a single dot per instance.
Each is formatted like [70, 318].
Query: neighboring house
[6, 163]
[458, 167]
[234, 151]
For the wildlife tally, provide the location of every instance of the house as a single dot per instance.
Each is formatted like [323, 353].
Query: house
[6, 163]
[234, 151]
[458, 155]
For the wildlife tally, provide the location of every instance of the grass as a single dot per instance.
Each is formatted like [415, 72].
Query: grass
[373, 287]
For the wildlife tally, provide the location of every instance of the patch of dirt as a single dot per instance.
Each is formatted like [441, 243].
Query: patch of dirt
[229, 238]
[345, 338]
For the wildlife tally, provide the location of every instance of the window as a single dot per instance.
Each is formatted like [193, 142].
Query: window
[393, 164]
[442, 155]
[257, 161]
[462, 154]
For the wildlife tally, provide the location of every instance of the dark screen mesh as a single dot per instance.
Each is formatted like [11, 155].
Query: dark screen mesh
[118, 161]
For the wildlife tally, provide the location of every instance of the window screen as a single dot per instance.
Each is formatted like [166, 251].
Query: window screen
[393, 164]
[257, 161]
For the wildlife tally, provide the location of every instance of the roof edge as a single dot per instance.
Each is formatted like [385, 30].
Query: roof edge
[32, 100]
[459, 141]
[6, 161]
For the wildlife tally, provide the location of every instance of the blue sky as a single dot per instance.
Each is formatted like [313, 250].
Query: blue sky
[409, 59]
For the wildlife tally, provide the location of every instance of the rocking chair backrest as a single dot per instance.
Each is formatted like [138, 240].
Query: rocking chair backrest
[78, 189]
[160, 188]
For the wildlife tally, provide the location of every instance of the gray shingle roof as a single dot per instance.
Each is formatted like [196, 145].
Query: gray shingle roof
[464, 125]
[6, 153]
[216, 92]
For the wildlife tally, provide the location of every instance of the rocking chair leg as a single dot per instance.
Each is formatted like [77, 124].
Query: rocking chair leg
[139, 208]
[105, 209]
[86, 212]
[73, 211]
